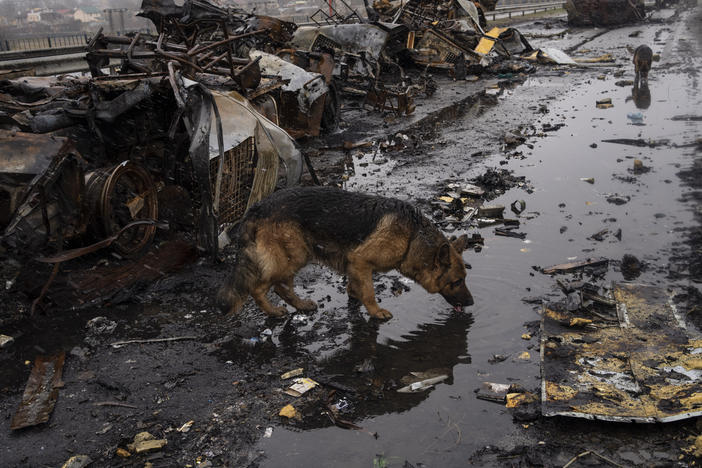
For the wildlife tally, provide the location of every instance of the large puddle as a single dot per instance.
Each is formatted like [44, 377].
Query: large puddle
[445, 425]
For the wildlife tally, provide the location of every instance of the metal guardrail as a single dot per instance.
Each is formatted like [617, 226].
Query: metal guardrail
[50, 41]
[510, 11]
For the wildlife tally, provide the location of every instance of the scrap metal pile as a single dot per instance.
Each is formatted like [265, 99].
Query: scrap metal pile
[189, 127]
[604, 12]
[173, 133]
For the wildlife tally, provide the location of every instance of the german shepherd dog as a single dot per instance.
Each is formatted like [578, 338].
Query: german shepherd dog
[643, 56]
[355, 234]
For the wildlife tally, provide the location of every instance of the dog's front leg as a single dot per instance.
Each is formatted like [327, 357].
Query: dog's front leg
[259, 295]
[361, 287]
[286, 291]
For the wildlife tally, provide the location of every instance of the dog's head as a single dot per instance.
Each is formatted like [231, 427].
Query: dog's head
[448, 275]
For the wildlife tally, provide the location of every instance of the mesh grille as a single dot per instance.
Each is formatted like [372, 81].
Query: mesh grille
[451, 57]
[322, 43]
[237, 180]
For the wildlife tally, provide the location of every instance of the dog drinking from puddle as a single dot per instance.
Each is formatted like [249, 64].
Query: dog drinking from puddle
[355, 234]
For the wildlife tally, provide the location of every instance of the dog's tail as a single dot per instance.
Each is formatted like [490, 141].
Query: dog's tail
[236, 289]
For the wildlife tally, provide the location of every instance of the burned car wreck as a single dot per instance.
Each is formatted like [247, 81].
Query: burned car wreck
[185, 129]
[174, 114]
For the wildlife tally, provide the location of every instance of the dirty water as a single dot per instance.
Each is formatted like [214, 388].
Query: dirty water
[447, 425]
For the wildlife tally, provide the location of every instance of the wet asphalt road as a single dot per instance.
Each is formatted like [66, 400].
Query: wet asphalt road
[450, 425]
[231, 391]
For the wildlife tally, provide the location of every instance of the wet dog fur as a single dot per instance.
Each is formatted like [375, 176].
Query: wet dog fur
[353, 233]
[643, 56]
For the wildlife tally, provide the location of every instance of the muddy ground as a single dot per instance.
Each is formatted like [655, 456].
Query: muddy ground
[520, 136]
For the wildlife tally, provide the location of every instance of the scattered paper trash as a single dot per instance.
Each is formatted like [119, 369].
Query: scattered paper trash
[145, 442]
[495, 392]
[301, 386]
[605, 103]
[268, 433]
[77, 461]
[342, 405]
[422, 381]
[636, 118]
[299, 319]
[6, 341]
[185, 427]
[292, 373]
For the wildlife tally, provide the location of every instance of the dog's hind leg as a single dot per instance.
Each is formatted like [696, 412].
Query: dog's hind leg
[286, 290]
[361, 288]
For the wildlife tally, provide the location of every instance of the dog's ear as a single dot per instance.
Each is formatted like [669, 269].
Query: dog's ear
[460, 244]
[443, 255]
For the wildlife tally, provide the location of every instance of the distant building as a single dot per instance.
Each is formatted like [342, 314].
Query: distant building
[53, 17]
[34, 15]
[88, 14]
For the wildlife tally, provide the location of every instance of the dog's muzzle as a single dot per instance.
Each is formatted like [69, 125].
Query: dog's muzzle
[459, 303]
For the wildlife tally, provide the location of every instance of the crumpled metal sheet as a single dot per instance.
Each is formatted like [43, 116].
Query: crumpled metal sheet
[308, 86]
[643, 367]
[41, 392]
[511, 42]
[240, 121]
[352, 38]
[27, 153]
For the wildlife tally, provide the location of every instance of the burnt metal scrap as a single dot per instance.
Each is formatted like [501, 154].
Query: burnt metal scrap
[41, 392]
[99, 160]
[197, 38]
[222, 49]
[638, 363]
[604, 12]
[364, 55]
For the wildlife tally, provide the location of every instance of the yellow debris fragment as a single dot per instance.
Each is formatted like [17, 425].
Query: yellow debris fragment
[579, 322]
[288, 412]
[488, 41]
[693, 363]
[145, 442]
[446, 199]
[292, 373]
[555, 315]
[526, 336]
[149, 445]
[516, 399]
[123, 453]
[525, 356]
[185, 427]
[555, 391]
